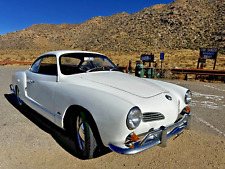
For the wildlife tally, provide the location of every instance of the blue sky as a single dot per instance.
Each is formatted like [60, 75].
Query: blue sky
[19, 14]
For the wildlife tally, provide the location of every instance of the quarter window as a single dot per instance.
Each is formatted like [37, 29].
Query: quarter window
[34, 68]
[45, 65]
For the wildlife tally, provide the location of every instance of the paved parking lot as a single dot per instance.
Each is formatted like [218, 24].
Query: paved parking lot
[28, 141]
[208, 105]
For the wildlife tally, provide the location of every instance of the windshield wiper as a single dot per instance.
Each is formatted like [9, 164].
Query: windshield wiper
[102, 68]
[114, 69]
[96, 68]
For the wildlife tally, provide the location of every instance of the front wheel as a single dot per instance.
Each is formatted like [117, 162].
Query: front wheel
[82, 134]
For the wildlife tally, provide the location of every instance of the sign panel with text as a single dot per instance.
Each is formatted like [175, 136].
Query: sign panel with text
[208, 53]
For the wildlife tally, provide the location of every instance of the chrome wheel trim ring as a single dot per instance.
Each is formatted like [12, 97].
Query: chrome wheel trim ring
[18, 96]
[80, 133]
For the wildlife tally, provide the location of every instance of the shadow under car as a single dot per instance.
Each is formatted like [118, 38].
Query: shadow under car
[60, 136]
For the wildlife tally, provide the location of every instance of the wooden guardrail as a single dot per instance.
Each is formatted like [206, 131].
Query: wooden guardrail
[14, 63]
[199, 72]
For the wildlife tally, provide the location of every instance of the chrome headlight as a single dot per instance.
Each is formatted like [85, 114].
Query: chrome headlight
[188, 97]
[134, 118]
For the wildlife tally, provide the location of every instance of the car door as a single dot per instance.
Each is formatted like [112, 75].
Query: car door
[41, 81]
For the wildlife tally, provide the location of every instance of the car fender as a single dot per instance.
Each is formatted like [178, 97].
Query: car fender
[108, 111]
[19, 80]
[176, 90]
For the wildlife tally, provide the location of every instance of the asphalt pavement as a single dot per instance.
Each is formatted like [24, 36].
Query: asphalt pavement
[30, 141]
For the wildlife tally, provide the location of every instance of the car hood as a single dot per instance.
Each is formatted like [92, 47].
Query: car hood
[125, 82]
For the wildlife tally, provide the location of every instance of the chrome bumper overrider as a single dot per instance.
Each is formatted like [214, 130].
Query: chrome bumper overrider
[156, 137]
[12, 88]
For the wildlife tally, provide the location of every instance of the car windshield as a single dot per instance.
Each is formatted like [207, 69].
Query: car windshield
[74, 63]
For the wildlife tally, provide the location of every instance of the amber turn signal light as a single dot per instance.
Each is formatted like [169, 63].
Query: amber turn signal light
[188, 109]
[132, 146]
[134, 137]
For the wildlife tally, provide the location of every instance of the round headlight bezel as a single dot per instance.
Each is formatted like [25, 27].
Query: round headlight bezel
[188, 97]
[134, 118]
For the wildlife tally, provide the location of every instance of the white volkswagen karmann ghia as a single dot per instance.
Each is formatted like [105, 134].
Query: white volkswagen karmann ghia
[85, 94]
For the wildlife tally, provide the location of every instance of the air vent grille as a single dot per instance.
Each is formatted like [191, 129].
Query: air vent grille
[152, 116]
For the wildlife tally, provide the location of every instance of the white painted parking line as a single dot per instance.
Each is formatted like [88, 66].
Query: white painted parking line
[210, 101]
[209, 125]
[212, 87]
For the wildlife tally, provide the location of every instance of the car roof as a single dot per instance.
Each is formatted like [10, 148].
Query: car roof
[61, 52]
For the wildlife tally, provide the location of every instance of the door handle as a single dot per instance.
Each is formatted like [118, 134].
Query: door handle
[30, 82]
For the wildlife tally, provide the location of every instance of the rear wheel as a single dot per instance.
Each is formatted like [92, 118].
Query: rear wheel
[82, 134]
[18, 97]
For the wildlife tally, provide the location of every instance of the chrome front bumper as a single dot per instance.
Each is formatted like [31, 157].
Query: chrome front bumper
[156, 137]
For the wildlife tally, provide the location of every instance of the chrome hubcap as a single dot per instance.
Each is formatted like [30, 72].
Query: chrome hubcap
[80, 133]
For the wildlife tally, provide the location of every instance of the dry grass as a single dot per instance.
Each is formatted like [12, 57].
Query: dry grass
[186, 59]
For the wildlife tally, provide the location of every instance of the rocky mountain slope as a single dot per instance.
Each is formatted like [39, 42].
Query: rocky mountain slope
[183, 24]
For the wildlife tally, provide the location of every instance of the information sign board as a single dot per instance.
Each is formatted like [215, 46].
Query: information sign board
[208, 53]
[161, 56]
[147, 58]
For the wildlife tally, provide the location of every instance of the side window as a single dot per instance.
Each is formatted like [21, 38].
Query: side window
[45, 65]
[69, 65]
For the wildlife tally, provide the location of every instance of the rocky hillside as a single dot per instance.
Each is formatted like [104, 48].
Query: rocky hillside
[183, 24]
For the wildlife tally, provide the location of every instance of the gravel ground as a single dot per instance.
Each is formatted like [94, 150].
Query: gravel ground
[30, 142]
